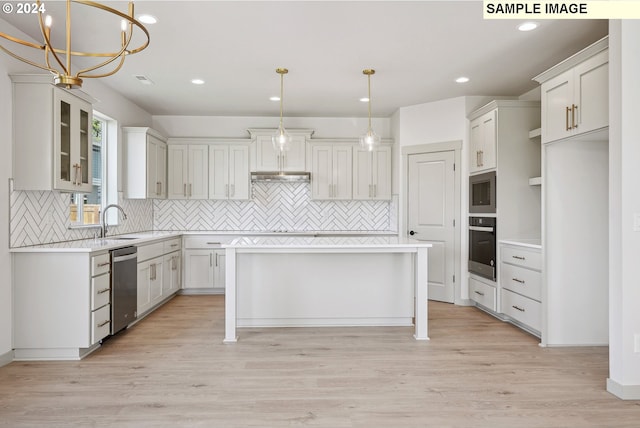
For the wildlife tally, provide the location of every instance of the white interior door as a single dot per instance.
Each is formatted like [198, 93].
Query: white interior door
[431, 215]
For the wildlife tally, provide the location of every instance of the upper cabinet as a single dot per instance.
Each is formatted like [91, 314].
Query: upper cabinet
[269, 159]
[331, 171]
[574, 94]
[188, 171]
[483, 143]
[372, 173]
[52, 144]
[229, 171]
[146, 163]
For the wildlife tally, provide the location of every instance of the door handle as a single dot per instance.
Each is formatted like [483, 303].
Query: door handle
[412, 232]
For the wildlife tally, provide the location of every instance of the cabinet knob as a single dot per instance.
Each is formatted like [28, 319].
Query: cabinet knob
[412, 232]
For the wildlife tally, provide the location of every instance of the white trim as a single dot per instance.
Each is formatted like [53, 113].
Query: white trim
[6, 358]
[624, 392]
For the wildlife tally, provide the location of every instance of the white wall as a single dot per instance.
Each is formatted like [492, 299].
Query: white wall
[624, 202]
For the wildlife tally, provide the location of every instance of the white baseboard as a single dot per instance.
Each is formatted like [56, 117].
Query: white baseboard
[625, 392]
[6, 358]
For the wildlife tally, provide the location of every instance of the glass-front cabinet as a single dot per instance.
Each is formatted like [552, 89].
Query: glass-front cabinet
[72, 143]
[52, 144]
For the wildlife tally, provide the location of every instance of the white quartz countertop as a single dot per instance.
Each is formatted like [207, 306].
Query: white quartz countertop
[529, 243]
[335, 242]
[141, 238]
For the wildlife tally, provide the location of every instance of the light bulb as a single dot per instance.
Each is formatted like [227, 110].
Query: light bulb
[281, 140]
[48, 21]
[369, 140]
[123, 25]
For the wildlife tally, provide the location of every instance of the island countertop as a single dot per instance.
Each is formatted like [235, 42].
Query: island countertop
[324, 242]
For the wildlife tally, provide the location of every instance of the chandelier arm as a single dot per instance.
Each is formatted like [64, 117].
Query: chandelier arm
[120, 54]
[48, 47]
[19, 58]
[97, 76]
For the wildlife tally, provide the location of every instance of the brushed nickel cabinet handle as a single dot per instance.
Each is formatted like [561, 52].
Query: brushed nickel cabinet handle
[479, 293]
[518, 308]
[103, 323]
[104, 290]
[104, 264]
[519, 257]
[566, 118]
[574, 110]
[518, 280]
[184, 190]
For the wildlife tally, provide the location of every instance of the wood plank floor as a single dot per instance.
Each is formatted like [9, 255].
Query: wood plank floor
[172, 370]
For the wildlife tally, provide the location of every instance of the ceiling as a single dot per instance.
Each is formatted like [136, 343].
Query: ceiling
[418, 49]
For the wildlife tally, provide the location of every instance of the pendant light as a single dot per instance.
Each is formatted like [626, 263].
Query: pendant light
[369, 139]
[281, 139]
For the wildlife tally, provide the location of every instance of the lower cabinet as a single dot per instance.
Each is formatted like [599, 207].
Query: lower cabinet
[521, 285]
[158, 272]
[204, 264]
[483, 294]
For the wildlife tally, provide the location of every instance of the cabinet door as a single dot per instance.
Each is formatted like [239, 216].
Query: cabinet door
[177, 174]
[144, 287]
[294, 159]
[161, 169]
[342, 172]
[362, 174]
[382, 173]
[218, 172]
[155, 280]
[239, 184]
[591, 93]
[198, 269]
[557, 96]
[171, 273]
[267, 159]
[475, 144]
[489, 142]
[321, 172]
[198, 171]
[153, 187]
[72, 142]
[219, 269]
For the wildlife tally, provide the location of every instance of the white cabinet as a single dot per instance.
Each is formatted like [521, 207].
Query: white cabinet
[269, 159]
[188, 171]
[52, 143]
[576, 100]
[331, 171]
[483, 293]
[158, 272]
[61, 304]
[229, 171]
[204, 264]
[372, 173]
[483, 142]
[145, 173]
[521, 285]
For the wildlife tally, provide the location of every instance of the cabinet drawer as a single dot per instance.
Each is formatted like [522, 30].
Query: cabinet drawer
[100, 264]
[100, 291]
[483, 293]
[521, 309]
[171, 245]
[100, 323]
[150, 251]
[206, 241]
[526, 257]
[521, 280]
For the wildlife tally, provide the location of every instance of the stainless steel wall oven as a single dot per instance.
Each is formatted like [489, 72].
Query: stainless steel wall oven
[482, 247]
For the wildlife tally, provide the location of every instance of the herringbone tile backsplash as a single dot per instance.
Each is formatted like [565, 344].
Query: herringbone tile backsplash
[43, 217]
[275, 206]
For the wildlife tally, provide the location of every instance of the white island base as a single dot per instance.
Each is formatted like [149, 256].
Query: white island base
[325, 282]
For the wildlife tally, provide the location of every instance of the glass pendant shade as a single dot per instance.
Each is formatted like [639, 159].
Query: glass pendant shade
[369, 140]
[281, 139]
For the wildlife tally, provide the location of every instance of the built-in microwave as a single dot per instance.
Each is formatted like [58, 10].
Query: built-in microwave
[482, 193]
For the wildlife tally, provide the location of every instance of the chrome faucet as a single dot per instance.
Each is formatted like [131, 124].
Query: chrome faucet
[103, 222]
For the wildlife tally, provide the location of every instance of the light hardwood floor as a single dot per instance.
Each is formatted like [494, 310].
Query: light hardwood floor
[172, 370]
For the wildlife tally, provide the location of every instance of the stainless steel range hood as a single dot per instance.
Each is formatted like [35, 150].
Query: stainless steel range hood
[286, 176]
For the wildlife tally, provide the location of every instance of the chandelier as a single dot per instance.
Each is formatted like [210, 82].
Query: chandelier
[369, 139]
[281, 139]
[58, 60]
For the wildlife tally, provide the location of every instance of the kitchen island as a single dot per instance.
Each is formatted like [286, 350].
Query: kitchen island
[325, 282]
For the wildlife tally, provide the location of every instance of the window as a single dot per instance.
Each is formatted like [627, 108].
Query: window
[85, 208]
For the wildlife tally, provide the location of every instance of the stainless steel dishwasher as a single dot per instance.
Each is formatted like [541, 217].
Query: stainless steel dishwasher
[124, 287]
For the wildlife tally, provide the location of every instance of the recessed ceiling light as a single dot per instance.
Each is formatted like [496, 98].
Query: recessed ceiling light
[274, 98]
[197, 81]
[364, 99]
[527, 26]
[147, 19]
[462, 79]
